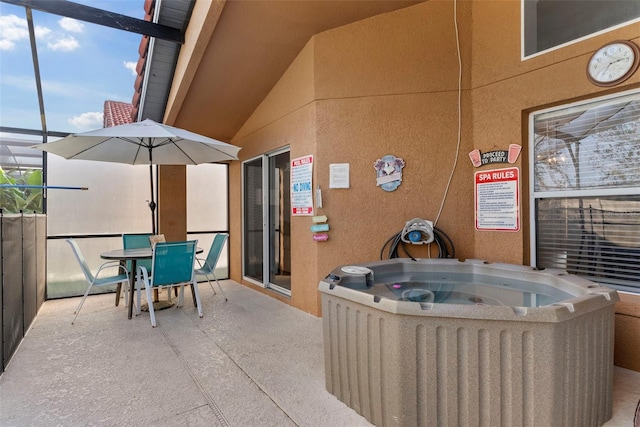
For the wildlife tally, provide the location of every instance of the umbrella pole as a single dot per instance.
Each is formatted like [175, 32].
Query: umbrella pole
[152, 203]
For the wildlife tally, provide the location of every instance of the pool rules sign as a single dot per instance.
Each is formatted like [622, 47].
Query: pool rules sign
[497, 200]
[301, 186]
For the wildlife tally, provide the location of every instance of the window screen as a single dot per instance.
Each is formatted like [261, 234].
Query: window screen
[586, 190]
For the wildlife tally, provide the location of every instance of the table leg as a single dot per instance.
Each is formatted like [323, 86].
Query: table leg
[119, 286]
[132, 290]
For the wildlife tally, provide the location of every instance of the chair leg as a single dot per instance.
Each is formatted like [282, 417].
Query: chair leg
[218, 283]
[194, 286]
[127, 289]
[139, 302]
[77, 311]
[220, 287]
[150, 303]
[211, 285]
[193, 295]
[181, 296]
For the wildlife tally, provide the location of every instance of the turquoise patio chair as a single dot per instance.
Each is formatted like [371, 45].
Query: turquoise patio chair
[97, 280]
[136, 241]
[172, 265]
[208, 265]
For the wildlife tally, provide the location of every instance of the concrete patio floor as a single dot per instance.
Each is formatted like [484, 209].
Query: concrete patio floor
[251, 361]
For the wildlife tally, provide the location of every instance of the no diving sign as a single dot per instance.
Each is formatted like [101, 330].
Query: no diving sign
[497, 200]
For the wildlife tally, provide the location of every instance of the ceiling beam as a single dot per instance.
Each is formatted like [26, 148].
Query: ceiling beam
[23, 131]
[102, 17]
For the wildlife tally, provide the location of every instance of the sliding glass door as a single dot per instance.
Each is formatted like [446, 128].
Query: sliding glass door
[266, 221]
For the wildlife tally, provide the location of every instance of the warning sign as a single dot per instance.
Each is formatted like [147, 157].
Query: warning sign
[497, 200]
[301, 186]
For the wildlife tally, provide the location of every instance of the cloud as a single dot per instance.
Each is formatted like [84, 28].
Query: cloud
[42, 32]
[64, 44]
[87, 121]
[131, 65]
[71, 25]
[12, 29]
[6, 44]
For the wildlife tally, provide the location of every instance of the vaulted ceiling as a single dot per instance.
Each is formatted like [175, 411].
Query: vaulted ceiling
[250, 48]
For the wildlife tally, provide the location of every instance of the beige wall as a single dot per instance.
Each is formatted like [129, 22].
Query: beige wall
[505, 89]
[286, 118]
[385, 86]
[389, 85]
[356, 94]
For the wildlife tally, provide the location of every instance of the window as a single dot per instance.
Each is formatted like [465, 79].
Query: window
[117, 202]
[548, 24]
[585, 181]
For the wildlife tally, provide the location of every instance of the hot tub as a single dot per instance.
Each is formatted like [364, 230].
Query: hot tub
[451, 343]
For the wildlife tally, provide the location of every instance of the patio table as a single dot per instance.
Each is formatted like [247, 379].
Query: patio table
[132, 255]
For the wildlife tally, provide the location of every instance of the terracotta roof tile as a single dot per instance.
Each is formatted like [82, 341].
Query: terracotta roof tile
[119, 113]
[134, 114]
[137, 85]
[116, 113]
[140, 65]
[135, 101]
[149, 8]
[144, 45]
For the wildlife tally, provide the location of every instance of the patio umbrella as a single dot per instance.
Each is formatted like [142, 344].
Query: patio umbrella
[141, 143]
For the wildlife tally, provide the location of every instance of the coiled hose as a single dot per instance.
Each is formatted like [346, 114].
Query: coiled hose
[440, 238]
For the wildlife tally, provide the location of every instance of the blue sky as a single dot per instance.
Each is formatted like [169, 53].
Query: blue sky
[81, 65]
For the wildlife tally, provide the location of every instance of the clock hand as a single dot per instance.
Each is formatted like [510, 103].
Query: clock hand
[618, 60]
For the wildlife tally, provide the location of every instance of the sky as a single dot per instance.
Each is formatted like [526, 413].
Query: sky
[82, 65]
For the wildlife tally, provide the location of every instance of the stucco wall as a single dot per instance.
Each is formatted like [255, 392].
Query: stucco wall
[389, 85]
[287, 117]
[355, 94]
[505, 89]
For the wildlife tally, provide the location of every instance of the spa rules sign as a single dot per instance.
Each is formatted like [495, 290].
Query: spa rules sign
[498, 200]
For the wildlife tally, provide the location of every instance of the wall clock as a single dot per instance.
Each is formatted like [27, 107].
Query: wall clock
[613, 63]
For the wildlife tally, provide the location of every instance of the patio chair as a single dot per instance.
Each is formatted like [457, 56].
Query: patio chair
[172, 265]
[208, 265]
[136, 241]
[97, 280]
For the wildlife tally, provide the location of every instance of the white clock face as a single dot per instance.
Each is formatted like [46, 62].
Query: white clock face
[611, 62]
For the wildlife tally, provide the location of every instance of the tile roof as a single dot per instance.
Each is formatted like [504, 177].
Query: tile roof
[116, 113]
[143, 49]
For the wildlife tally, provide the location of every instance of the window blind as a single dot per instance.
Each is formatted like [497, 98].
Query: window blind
[586, 182]
[598, 238]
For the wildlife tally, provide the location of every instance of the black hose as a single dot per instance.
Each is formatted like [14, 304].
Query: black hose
[444, 242]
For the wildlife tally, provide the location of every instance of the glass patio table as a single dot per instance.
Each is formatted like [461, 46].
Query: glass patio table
[132, 255]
